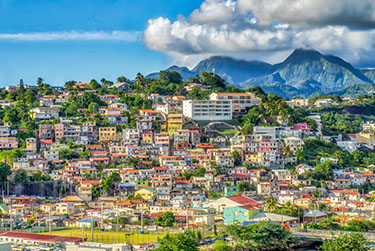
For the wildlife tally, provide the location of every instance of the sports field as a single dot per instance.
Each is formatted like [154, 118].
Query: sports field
[111, 236]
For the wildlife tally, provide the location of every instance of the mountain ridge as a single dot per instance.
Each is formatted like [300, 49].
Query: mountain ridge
[304, 72]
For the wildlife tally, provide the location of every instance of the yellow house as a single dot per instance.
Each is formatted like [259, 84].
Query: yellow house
[147, 138]
[140, 204]
[107, 133]
[31, 144]
[146, 193]
[251, 157]
[175, 122]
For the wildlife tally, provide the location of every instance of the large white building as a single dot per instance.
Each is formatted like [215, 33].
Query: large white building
[241, 102]
[208, 110]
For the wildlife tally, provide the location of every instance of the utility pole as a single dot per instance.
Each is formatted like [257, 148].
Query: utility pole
[102, 217]
[50, 223]
[83, 233]
[142, 221]
[117, 222]
[92, 229]
[11, 215]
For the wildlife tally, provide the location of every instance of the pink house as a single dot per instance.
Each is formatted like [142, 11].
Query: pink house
[302, 126]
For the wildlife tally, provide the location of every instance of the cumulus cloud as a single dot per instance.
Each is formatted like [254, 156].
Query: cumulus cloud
[125, 36]
[351, 13]
[261, 29]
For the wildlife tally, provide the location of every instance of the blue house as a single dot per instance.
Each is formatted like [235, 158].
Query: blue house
[239, 214]
[230, 190]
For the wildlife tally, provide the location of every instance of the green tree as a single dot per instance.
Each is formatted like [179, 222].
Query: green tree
[244, 186]
[346, 242]
[166, 219]
[110, 182]
[95, 191]
[21, 177]
[215, 167]
[261, 236]
[221, 245]
[179, 242]
[93, 107]
[237, 158]
[4, 173]
[271, 204]
[94, 85]
[69, 85]
[323, 171]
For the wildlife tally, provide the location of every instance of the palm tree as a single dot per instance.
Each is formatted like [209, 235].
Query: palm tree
[271, 204]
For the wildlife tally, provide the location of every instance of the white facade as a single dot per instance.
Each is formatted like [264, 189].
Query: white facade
[208, 110]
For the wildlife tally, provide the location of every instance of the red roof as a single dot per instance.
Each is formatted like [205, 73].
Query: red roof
[160, 168]
[41, 237]
[244, 200]
[46, 141]
[344, 191]
[183, 182]
[239, 175]
[90, 182]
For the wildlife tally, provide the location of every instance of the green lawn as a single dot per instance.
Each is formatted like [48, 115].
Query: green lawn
[111, 236]
[228, 131]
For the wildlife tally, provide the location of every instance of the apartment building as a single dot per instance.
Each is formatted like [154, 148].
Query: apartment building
[45, 131]
[31, 145]
[262, 133]
[131, 136]
[175, 122]
[89, 130]
[107, 133]
[208, 110]
[241, 102]
[297, 102]
[7, 143]
[5, 131]
[44, 113]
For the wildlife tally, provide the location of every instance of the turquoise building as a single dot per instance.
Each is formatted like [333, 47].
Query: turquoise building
[239, 214]
[230, 190]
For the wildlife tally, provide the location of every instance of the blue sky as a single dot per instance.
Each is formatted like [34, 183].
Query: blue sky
[60, 60]
[62, 40]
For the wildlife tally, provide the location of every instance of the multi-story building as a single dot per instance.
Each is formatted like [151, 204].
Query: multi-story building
[161, 139]
[44, 113]
[241, 102]
[59, 131]
[208, 110]
[5, 131]
[31, 145]
[147, 138]
[7, 143]
[45, 131]
[297, 102]
[262, 133]
[131, 136]
[89, 130]
[175, 122]
[107, 133]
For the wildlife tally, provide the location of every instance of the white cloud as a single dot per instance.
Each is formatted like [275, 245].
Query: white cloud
[126, 36]
[226, 27]
[353, 13]
[214, 11]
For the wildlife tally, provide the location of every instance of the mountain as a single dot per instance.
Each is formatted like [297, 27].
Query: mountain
[369, 73]
[233, 70]
[184, 72]
[303, 73]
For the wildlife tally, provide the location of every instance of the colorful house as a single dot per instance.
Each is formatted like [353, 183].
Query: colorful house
[146, 193]
[239, 214]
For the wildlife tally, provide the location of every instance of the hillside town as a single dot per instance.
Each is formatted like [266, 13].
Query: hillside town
[110, 157]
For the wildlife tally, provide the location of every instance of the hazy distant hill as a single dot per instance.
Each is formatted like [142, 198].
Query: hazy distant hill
[303, 73]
